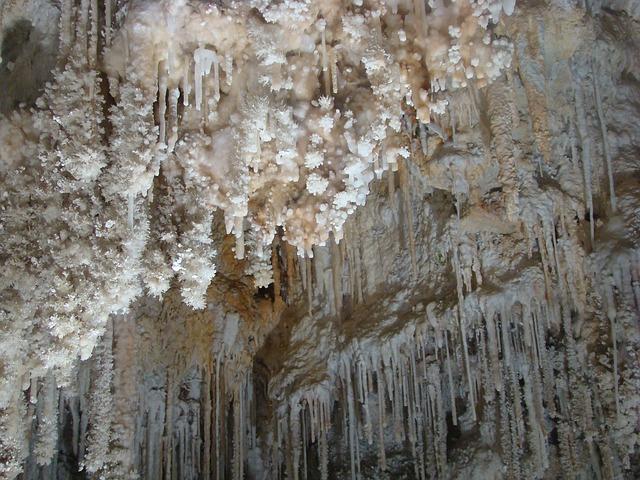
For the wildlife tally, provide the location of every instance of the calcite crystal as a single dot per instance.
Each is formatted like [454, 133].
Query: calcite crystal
[319, 239]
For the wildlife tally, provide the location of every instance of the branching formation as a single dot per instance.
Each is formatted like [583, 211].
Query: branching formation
[437, 197]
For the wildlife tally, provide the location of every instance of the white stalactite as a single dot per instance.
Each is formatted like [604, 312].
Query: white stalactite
[104, 197]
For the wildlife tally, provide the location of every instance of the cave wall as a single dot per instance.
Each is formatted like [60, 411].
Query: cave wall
[479, 317]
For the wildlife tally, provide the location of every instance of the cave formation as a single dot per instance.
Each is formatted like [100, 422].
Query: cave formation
[319, 239]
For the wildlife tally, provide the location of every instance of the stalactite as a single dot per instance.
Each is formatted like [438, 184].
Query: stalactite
[100, 407]
[498, 96]
[228, 68]
[515, 338]
[174, 96]
[167, 435]
[405, 182]
[83, 28]
[308, 263]
[93, 36]
[605, 141]
[66, 27]
[304, 446]
[239, 234]
[462, 320]
[162, 101]
[530, 54]
[216, 81]
[204, 60]
[125, 402]
[107, 22]
[326, 80]
[611, 315]
[352, 424]
[334, 71]
[218, 420]
[47, 414]
[454, 416]
[382, 457]
[586, 156]
[185, 84]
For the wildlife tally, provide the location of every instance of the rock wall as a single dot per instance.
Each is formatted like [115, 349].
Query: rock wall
[473, 311]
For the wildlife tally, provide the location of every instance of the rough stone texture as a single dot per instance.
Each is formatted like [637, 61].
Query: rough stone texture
[478, 319]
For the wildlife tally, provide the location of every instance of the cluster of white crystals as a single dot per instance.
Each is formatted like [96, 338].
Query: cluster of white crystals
[161, 113]
[460, 300]
[282, 118]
